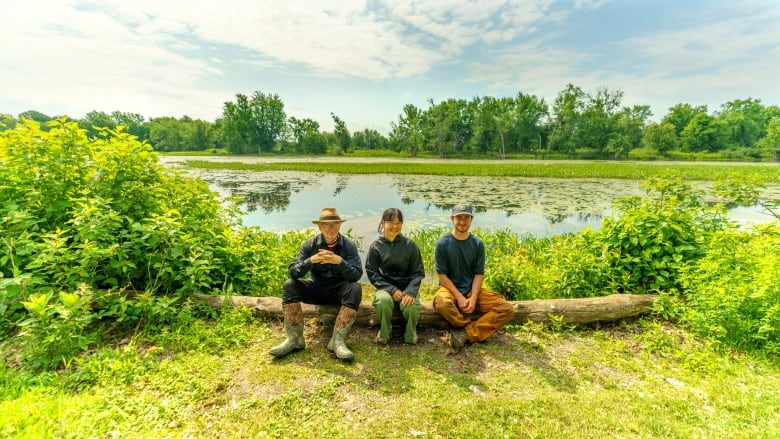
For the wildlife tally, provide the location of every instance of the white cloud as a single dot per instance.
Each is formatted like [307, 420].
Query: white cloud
[363, 61]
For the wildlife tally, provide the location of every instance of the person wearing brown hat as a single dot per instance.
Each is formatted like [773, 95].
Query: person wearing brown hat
[334, 268]
[460, 266]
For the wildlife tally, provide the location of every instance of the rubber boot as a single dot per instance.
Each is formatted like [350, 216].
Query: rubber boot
[337, 343]
[293, 324]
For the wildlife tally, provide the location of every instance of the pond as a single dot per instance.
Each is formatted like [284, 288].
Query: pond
[288, 200]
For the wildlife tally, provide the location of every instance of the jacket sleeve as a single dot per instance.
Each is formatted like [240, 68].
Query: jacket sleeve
[301, 265]
[350, 268]
[373, 272]
[417, 270]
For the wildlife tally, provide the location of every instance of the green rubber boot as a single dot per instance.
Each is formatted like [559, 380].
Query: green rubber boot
[337, 343]
[293, 324]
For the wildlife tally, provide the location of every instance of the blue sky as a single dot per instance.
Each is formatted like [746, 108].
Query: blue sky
[365, 60]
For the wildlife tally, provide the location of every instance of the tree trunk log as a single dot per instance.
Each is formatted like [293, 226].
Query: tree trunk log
[572, 311]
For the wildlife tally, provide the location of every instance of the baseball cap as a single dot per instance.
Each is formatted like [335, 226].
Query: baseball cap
[463, 209]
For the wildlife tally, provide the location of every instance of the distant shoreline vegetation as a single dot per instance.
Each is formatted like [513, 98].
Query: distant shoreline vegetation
[547, 169]
[578, 124]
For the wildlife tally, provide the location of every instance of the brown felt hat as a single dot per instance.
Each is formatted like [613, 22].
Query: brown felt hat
[328, 215]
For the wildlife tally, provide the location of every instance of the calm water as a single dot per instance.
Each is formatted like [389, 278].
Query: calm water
[281, 200]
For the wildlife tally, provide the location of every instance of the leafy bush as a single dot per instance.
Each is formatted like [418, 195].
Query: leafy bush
[102, 215]
[654, 237]
[561, 266]
[733, 291]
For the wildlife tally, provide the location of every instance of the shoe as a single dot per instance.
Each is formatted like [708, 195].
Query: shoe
[379, 340]
[458, 339]
[412, 341]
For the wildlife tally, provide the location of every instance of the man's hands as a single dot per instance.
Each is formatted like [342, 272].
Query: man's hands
[326, 257]
[466, 304]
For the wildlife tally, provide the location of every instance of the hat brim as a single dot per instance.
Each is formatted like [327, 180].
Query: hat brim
[318, 222]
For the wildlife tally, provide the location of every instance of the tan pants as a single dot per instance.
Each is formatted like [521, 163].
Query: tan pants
[496, 312]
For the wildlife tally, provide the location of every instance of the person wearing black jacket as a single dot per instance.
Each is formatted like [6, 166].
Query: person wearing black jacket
[394, 266]
[334, 266]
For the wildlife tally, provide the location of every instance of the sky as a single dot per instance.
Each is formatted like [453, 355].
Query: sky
[364, 60]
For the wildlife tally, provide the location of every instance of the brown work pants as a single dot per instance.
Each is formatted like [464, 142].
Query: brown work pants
[496, 312]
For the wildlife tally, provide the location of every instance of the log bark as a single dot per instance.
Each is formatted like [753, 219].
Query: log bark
[572, 311]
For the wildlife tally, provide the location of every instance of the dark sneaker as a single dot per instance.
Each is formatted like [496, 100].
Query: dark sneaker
[458, 339]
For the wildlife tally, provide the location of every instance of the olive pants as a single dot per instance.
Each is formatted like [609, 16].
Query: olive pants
[384, 305]
[496, 312]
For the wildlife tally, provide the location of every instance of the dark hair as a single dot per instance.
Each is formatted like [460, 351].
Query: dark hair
[390, 213]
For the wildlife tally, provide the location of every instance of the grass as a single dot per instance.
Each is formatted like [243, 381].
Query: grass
[636, 379]
[610, 170]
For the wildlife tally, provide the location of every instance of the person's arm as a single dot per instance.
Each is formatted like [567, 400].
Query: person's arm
[373, 269]
[445, 281]
[476, 288]
[301, 265]
[350, 267]
[479, 274]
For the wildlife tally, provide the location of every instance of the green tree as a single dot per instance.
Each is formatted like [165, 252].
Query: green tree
[530, 113]
[704, 133]
[36, 116]
[268, 118]
[746, 121]
[341, 134]
[307, 136]
[661, 137]
[770, 143]
[599, 121]
[407, 134]
[252, 125]
[567, 119]
[628, 130]
[135, 123]
[94, 121]
[681, 114]
[369, 139]
[166, 134]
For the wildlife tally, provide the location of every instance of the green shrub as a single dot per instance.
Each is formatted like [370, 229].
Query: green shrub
[560, 266]
[102, 215]
[652, 238]
[733, 291]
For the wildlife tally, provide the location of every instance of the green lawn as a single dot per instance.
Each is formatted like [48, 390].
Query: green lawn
[638, 379]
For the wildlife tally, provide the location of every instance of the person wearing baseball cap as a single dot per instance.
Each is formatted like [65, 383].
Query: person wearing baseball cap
[460, 265]
[334, 268]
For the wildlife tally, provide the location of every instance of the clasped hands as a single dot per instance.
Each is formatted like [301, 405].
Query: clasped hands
[467, 305]
[325, 257]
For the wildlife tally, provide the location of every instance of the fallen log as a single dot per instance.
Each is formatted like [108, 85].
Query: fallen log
[572, 311]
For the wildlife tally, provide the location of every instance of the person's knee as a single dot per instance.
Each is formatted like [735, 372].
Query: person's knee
[383, 301]
[505, 310]
[413, 310]
[441, 301]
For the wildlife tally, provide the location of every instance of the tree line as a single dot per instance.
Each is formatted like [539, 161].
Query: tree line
[578, 124]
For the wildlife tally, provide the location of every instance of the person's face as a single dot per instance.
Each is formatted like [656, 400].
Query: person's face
[462, 222]
[329, 230]
[391, 229]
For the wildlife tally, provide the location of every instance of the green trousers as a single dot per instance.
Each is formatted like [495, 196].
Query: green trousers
[384, 305]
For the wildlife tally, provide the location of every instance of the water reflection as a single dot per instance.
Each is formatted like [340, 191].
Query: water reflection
[284, 200]
[279, 200]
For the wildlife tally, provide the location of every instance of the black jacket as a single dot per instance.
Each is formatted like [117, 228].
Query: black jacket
[395, 264]
[327, 274]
